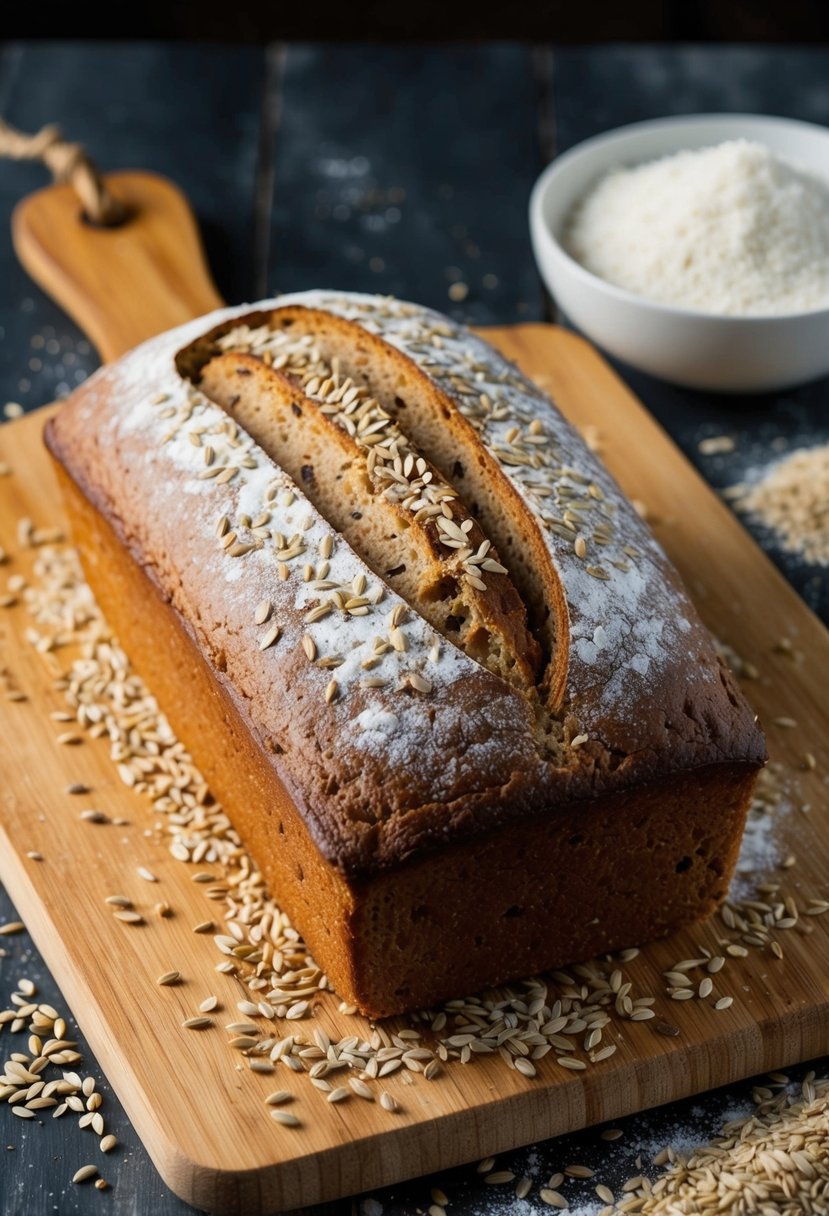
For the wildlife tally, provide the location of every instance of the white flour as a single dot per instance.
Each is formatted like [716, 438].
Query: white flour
[732, 229]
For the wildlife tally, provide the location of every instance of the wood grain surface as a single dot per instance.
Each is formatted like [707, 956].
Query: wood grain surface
[202, 1118]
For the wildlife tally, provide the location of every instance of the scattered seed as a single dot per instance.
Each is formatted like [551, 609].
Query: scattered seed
[553, 1199]
[85, 1173]
[279, 1098]
[242, 1042]
[713, 446]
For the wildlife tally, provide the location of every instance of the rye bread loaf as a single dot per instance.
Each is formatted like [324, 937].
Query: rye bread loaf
[432, 820]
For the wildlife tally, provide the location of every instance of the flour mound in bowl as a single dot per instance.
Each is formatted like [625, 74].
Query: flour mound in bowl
[732, 229]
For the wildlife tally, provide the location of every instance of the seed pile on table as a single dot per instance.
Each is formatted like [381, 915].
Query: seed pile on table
[772, 1161]
[775, 1163]
[792, 499]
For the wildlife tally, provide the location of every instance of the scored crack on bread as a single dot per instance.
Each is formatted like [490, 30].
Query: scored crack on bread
[363, 475]
[414, 406]
[420, 817]
[418, 403]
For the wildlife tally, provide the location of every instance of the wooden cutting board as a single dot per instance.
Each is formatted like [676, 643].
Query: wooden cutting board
[200, 1115]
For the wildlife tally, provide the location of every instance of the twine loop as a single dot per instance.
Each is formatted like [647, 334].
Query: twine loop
[67, 162]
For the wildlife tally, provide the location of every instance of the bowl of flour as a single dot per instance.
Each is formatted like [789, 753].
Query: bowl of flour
[695, 249]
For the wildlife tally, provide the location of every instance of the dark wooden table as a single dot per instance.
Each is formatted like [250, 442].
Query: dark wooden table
[392, 170]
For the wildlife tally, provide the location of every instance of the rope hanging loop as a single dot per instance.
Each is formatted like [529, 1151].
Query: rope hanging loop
[67, 162]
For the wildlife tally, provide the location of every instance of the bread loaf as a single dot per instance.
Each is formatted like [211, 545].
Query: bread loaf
[448, 687]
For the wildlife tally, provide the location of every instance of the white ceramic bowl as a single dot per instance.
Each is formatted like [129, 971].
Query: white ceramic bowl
[697, 349]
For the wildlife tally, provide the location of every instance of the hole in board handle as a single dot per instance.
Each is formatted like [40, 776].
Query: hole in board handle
[121, 214]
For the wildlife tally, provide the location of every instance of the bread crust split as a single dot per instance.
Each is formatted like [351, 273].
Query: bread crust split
[396, 789]
[429, 549]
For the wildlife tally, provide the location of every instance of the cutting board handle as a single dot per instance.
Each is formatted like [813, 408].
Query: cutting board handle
[121, 284]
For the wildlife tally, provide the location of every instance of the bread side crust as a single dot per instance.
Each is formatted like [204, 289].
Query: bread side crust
[615, 871]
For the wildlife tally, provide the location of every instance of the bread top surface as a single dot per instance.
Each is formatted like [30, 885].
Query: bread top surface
[407, 742]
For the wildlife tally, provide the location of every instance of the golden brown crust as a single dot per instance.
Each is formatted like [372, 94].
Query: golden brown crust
[612, 872]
